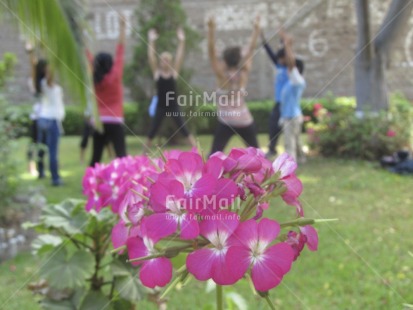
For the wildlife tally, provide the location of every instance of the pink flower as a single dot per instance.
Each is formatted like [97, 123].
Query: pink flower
[307, 235]
[169, 201]
[188, 169]
[209, 262]
[131, 209]
[294, 190]
[240, 160]
[250, 249]
[310, 131]
[318, 106]
[156, 271]
[390, 133]
[285, 165]
[121, 232]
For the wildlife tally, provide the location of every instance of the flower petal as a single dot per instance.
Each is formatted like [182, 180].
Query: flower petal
[199, 263]
[268, 272]
[245, 234]
[284, 164]
[160, 225]
[156, 272]
[220, 273]
[238, 260]
[189, 227]
[268, 230]
[224, 222]
[312, 237]
[136, 249]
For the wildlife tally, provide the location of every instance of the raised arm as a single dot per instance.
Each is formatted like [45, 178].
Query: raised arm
[247, 61]
[153, 62]
[268, 49]
[33, 62]
[122, 30]
[289, 54]
[211, 48]
[179, 57]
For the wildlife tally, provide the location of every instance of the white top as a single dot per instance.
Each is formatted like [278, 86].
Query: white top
[295, 77]
[52, 106]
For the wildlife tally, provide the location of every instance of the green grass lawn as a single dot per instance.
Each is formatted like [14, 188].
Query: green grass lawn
[362, 262]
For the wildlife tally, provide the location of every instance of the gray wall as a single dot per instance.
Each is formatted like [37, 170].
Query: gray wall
[324, 39]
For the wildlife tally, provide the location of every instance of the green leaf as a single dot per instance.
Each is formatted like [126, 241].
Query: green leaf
[49, 304]
[64, 272]
[45, 243]
[237, 299]
[46, 23]
[95, 300]
[69, 216]
[179, 260]
[127, 283]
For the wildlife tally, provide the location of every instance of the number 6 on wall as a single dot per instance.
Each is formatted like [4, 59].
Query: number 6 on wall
[317, 45]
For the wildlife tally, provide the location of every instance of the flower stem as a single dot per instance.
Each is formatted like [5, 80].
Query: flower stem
[220, 300]
[270, 304]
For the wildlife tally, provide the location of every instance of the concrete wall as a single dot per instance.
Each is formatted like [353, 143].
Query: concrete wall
[324, 39]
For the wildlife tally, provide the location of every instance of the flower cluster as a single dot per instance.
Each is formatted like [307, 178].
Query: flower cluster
[209, 210]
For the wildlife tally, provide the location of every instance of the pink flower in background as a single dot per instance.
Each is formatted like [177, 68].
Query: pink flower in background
[316, 109]
[390, 133]
[310, 131]
[209, 263]
[251, 249]
[307, 118]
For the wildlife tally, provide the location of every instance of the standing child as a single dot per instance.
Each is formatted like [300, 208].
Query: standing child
[291, 114]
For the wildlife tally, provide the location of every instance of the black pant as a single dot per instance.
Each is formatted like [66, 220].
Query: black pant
[111, 133]
[161, 113]
[224, 132]
[87, 131]
[275, 129]
[38, 146]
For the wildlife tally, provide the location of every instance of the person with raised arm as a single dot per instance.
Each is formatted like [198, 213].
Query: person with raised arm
[50, 114]
[107, 79]
[291, 118]
[165, 73]
[281, 78]
[232, 75]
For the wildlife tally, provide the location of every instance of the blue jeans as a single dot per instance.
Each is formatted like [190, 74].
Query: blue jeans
[48, 130]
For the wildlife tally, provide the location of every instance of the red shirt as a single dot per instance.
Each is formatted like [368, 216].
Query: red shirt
[109, 92]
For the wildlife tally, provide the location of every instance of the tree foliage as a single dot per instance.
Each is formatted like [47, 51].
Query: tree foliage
[165, 16]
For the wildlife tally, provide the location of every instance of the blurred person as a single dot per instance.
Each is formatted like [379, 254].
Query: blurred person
[50, 115]
[281, 78]
[232, 75]
[291, 118]
[107, 78]
[165, 73]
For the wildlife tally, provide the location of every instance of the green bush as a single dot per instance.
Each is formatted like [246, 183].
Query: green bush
[342, 133]
[79, 268]
[9, 131]
[137, 120]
